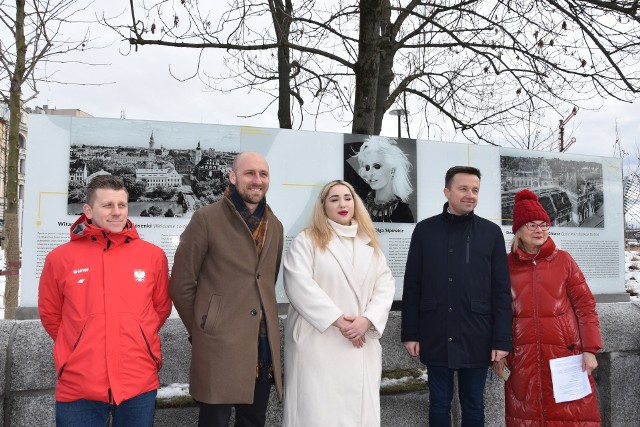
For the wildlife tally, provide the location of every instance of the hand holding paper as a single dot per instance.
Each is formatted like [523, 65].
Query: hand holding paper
[570, 382]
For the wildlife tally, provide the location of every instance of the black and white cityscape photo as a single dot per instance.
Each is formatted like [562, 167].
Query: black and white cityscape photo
[570, 191]
[161, 181]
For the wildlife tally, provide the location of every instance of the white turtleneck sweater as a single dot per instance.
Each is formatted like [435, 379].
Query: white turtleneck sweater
[346, 234]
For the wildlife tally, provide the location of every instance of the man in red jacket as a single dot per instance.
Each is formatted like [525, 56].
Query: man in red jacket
[103, 296]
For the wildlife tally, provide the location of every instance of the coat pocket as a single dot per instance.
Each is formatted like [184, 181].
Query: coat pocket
[63, 363]
[480, 324]
[209, 321]
[156, 359]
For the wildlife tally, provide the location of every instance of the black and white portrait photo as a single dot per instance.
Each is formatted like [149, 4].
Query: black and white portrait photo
[570, 191]
[381, 171]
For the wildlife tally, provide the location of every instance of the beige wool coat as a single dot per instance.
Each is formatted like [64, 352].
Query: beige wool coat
[328, 382]
[218, 284]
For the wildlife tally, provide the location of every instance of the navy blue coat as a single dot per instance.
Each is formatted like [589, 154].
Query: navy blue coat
[457, 294]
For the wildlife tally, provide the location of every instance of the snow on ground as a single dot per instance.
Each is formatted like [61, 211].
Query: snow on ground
[173, 390]
[388, 382]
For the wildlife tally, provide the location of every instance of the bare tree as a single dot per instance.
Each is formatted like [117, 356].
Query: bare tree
[34, 27]
[479, 65]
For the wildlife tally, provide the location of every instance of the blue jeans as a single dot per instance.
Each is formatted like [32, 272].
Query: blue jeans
[470, 392]
[135, 412]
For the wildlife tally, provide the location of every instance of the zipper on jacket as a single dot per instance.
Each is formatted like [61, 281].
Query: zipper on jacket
[468, 244]
[534, 273]
[155, 360]
[72, 349]
[78, 340]
[62, 370]
[110, 396]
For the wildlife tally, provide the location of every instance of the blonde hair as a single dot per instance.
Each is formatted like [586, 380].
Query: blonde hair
[393, 157]
[515, 243]
[319, 228]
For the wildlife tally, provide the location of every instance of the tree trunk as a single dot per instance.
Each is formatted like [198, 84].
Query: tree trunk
[281, 15]
[11, 229]
[385, 70]
[367, 68]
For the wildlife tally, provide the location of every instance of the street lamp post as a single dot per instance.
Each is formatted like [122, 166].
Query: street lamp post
[399, 113]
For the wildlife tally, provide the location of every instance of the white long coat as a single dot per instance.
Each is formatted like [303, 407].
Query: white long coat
[328, 382]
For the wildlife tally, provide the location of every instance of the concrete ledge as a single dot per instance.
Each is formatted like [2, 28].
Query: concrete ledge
[27, 376]
[32, 358]
[27, 313]
[610, 298]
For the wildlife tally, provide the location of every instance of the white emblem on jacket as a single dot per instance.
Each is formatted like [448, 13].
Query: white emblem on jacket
[139, 275]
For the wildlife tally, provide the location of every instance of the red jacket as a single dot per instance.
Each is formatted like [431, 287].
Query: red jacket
[102, 298]
[554, 315]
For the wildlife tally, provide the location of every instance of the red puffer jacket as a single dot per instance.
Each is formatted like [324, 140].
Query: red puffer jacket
[102, 298]
[554, 315]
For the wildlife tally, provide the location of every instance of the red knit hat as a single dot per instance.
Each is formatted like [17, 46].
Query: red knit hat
[527, 208]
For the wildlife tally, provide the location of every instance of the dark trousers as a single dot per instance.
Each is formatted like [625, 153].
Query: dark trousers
[247, 415]
[471, 383]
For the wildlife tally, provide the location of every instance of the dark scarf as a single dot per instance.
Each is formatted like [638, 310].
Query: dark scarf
[256, 220]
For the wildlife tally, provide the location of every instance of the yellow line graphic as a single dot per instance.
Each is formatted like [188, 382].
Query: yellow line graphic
[42, 193]
[249, 130]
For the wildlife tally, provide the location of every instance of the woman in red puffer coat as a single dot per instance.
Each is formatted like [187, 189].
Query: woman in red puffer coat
[554, 315]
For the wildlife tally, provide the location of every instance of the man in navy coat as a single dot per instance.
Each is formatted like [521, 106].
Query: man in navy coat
[456, 305]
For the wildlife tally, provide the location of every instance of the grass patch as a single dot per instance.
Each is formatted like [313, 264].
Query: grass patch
[175, 402]
[396, 374]
[411, 381]
[634, 266]
[407, 387]
[635, 258]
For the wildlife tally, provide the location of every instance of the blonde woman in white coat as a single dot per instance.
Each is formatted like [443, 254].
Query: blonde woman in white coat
[340, 290]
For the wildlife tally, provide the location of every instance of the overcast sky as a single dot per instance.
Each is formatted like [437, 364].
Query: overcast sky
[140, 86]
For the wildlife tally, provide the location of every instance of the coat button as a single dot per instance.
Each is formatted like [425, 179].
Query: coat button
[450, 309]
[451, 279]
[258, 276]
[254, 312]
[450, 339]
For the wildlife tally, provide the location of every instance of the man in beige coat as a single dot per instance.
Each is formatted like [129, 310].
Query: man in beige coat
[223, 286]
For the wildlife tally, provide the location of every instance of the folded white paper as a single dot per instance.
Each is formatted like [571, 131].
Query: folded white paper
[570, 382]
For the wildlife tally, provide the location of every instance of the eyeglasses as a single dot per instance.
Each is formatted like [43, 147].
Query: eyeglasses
[532, 226]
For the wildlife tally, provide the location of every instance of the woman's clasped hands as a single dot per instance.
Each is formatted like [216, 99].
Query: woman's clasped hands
[353, 328]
